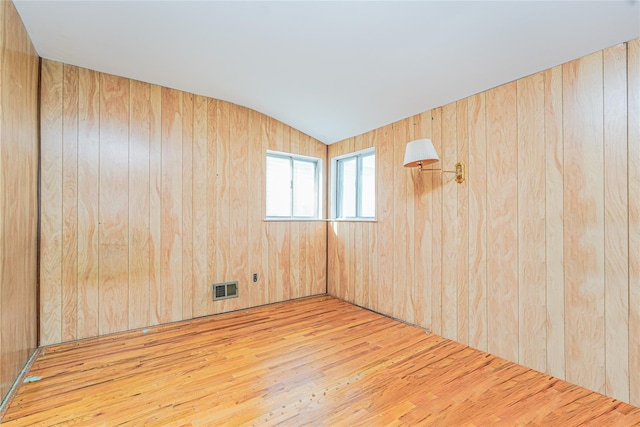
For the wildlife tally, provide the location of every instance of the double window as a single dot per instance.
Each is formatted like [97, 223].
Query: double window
[354, 190]
[293, 186]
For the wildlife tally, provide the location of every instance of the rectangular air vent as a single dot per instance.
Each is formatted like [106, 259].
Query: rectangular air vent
[225, 290]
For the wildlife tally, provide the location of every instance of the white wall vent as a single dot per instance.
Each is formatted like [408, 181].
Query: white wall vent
[225, 290]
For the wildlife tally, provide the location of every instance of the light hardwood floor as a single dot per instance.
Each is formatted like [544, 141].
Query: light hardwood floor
[314, 361]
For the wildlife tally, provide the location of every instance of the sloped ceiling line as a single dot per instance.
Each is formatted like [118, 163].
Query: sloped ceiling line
[330, 69]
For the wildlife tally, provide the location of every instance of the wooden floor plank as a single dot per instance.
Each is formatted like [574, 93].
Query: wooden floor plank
[313, 361]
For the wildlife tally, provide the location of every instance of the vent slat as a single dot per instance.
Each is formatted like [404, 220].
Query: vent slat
[225, 290]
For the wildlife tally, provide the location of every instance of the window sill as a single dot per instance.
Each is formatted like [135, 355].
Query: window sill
[320, 220]
[294, 220]
[352, 220]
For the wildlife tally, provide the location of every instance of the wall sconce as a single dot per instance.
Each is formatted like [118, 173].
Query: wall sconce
[421, 152]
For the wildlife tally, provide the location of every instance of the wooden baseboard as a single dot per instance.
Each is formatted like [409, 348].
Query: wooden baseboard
[12, 391]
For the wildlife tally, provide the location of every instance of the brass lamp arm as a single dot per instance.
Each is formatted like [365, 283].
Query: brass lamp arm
[459, 171]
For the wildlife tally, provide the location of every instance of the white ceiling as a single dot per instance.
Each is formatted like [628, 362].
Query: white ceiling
[329, 69]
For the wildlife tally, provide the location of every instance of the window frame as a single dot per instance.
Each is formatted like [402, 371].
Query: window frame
[317, 185]
[336, 185]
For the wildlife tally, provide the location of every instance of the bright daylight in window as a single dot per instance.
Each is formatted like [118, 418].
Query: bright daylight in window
[293, 186]
[354, 188]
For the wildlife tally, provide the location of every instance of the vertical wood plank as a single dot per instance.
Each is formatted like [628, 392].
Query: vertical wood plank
[266, 265]
[633, 164]
[414, 190]
[436, 272]
[531, 222]
[139, 214]
[356, 276]
[616, 225]
[307, 243]
[274, 142]
[359, 273]
[51, 202]
[584, 221]
[317, 270]
[308, 246]
[373, 285]
[362, 269]
[88, 201]
[338, 265]
[364, 142]
[477, 176]
[256, 159]
[321, 228]
[6, 376]
[283, 241]
[222, 200]
[554, 222]
[449, 224]
[348, 256]
[502, 268]
[212, 203]
[342, 239]
[462, 232]
[342, 290]
[170, 304]
[402, 283]
[114, 204]
[239, 189]
[200, 226]
[69, 203]
[311, 243]
[332, 239]
[295, 238]
[373, 300]
[385, 197]
[155, 204]
[187, 206]
[423, 225]
[408, 218]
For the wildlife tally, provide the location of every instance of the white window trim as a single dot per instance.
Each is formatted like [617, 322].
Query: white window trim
[334, 185]
[318, 186]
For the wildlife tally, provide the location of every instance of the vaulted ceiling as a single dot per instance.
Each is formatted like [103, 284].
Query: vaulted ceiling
[329, 69]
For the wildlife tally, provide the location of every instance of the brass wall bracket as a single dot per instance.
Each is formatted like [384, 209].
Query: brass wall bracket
[459, 171]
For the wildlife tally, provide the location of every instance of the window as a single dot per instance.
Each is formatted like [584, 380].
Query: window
[353, 191]
[293, 186]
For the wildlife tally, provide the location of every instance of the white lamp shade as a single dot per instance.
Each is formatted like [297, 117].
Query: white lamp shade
[420, 152]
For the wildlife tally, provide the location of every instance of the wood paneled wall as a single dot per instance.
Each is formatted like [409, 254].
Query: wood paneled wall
[18, 196]
[150, 195]
[536, 256]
